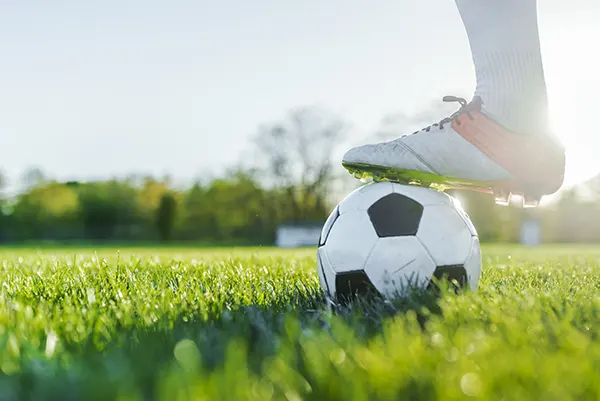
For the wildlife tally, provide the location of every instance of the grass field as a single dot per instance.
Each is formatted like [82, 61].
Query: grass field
[250, 324]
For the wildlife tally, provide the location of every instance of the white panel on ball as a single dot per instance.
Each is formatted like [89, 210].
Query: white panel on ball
[462, 213]
[397, 263]
[362, 198]
[445, 235]
[424, 196]
[326, 273]
[350, 241]
[328, 224]
[473, 264]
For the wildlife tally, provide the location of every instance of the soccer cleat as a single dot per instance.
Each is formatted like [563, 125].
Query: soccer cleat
[467, 150]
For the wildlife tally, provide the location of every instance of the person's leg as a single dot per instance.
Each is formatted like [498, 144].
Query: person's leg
[505, 45]
[500, 140]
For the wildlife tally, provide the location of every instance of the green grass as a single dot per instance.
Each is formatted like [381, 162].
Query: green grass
[250, 324]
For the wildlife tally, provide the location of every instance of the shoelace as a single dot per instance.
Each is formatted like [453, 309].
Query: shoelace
[464, 108]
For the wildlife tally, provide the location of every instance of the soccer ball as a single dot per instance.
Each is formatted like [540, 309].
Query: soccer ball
[388, 238]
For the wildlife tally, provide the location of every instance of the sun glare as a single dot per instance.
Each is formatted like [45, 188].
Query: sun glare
[573, 87]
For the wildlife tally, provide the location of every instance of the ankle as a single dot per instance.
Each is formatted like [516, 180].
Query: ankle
[518, 113]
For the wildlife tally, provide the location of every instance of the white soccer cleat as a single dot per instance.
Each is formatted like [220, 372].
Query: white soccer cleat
[467, 150]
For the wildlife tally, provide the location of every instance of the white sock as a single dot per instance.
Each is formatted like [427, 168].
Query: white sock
[505, 44]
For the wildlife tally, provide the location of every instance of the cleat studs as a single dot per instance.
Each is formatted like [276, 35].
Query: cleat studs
[501, 198]
[531, 205]
[366, 178]
[531, 201]
[378, 177]
[501, 201]
[358, 175]
[516, 200]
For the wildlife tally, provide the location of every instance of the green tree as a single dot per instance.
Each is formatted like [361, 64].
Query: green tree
[296, 161]
[48, 211]
[195, 214]
[108, 210]
[166, 216]
[4, 219]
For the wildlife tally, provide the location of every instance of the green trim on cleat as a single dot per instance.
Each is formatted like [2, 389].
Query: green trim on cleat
[413, 177]
[505, 193]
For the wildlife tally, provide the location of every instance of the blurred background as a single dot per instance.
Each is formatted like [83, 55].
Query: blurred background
[224, 123]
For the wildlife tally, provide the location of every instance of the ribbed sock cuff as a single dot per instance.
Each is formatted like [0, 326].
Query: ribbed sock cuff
[513, 89]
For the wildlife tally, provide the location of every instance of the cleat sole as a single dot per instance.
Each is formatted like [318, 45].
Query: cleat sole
[506, 193]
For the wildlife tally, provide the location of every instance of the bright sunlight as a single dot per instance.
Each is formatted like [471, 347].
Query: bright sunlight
[573, 86]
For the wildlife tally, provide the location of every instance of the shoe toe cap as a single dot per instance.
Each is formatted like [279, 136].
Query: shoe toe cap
[391, 154]
[359, 155]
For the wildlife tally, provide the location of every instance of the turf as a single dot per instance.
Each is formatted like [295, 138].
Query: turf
[250, 324]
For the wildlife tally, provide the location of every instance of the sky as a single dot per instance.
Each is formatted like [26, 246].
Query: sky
[91, 90]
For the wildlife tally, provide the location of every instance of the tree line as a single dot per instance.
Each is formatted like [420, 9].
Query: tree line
[238, 208]
[293, 178]
[289, 179]
[232, 208]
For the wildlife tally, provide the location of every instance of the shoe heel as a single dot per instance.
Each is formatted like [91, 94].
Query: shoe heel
[516, 199]
[521, 194]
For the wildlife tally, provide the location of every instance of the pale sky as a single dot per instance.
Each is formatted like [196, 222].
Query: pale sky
[95, 89]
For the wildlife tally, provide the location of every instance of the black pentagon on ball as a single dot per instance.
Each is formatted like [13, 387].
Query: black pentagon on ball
[395, 215]
[352, 285]
[455, 275]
